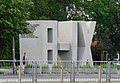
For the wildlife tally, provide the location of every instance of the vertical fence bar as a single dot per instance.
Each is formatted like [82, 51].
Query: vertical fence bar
[34, 72]
[72, 78]
[61, 74]
[99, 74]
[19, 74]
[108, 70]
[14, 60]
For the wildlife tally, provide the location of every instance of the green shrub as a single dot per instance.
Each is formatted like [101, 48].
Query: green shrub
[31, 66]
[1, 72]
[45, 66]
[117, 66]
[86, 66]
[56, 66]
[97, 66]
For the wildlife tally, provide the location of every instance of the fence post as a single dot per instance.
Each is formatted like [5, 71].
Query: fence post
[19, 74]
[99, 74]
[34, 72]
[61, 74]
[108, 71]
[72, 77]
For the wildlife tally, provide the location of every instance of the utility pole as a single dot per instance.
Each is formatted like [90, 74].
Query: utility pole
[13, 50]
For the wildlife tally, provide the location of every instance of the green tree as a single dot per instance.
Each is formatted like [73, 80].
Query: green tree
[50, 9]
[13, 14]
[58, 9]
[41, 10]
[105, 13]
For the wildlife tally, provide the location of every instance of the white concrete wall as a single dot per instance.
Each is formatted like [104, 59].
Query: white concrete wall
[85, 35]
[76, 36]
[31, 48]
[49, 46]
[67, 33]
[36, 48]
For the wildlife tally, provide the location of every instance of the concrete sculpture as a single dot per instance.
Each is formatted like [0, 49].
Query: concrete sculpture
[55, 41]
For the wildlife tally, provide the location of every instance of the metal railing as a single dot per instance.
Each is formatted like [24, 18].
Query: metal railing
[59, 72]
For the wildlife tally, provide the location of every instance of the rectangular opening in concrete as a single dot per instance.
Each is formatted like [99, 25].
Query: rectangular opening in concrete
[50, 35]
[50, 56]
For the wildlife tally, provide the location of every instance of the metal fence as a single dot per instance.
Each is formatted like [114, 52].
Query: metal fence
[59, 72]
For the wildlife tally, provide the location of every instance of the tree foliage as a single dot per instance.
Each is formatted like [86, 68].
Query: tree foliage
[41, 10]
[13, 14]
[105, 13]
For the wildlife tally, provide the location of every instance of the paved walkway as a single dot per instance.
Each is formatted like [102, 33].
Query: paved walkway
[56, 78]
[15, 80]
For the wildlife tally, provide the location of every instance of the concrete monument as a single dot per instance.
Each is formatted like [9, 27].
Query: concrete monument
[56, 41]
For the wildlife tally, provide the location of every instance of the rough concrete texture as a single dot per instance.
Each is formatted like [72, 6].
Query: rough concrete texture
[55, 41]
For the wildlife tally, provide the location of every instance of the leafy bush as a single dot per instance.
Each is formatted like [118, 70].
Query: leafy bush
[97, 66]
[31, 66]
[56, 66]
[45, 66]
[86, 66]
[1, 72]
